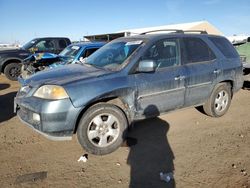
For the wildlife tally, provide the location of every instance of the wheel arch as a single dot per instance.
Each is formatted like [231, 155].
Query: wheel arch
[231, 84]
[209, 106]
[8, 61]
[115, 100]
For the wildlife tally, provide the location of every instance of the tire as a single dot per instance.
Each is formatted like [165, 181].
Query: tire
[12, 71]
[219, 101]
[99, 136]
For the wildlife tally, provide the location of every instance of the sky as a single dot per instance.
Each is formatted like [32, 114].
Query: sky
[23, 20]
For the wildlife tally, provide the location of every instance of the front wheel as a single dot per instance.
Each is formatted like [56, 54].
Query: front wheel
[12, 71]
[220, 100]
[102, 129]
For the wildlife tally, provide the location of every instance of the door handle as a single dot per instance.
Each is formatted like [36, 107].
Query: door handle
[217, 71]
[179, 78]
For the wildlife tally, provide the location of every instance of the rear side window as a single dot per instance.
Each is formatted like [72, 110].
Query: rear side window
[225, 47]
[197, 50]
[62, 44]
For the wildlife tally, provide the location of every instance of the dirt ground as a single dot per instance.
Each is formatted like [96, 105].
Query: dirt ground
[201, 151]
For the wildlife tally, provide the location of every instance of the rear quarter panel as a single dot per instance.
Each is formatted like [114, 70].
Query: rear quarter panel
[231, 68]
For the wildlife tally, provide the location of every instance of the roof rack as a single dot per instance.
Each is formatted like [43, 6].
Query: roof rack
[195, 31]
[174, 31]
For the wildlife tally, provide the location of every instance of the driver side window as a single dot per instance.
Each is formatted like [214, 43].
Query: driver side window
[165, 53]
[45, 45]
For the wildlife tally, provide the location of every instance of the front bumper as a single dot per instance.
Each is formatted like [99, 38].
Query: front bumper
[54, 119]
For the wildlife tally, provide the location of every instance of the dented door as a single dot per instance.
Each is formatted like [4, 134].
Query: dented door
[164, 89]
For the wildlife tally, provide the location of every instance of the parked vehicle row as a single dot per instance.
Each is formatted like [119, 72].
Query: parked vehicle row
[10, 60]
[130, 79]
[74, 53]
[243, 49]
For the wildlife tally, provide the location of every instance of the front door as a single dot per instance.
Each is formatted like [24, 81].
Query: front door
[164, 89]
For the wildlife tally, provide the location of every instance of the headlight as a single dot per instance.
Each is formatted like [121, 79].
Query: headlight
[51, 92]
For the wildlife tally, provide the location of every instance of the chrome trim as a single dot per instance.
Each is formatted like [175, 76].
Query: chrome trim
[160, 92]
[198, 85]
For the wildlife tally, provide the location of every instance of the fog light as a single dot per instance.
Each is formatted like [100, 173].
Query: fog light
[36, 117]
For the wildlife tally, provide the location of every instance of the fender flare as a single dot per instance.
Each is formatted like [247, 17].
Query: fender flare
[9, 60]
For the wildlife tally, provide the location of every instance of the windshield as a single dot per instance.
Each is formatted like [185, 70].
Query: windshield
[113, 55]
[70, 51]
[29, 44]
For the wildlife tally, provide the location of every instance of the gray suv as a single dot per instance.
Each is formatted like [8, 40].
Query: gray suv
[130, 79]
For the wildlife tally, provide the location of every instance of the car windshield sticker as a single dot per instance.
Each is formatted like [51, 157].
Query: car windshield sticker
[137, 42]
[75, 47]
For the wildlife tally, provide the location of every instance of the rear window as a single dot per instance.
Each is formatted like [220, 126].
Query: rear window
[225, 47]
[197, 50]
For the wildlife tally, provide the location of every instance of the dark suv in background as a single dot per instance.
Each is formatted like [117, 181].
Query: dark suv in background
[10, 60]
[130, 79]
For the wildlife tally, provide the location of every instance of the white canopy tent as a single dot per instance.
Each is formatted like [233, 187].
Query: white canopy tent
[201, 25]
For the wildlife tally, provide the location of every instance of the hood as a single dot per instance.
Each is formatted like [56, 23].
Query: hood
[41, 59]
[65, 74]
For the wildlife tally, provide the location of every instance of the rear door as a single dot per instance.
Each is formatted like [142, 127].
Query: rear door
[162, 90]
[201, 67]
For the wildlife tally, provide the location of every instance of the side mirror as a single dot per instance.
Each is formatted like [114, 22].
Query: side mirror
[147, 66]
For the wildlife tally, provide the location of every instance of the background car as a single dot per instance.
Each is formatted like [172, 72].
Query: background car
[70, 55]
[244, 51]
[10, 60]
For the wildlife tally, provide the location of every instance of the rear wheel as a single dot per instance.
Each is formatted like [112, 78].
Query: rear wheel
[219, 101]
[12, 71]
[102, 129]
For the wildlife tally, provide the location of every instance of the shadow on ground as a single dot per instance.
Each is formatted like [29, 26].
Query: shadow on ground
[151, 154]
[246, 85]
[7, 106]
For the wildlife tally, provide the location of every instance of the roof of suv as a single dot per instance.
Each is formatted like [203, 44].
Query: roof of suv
[163, 35]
